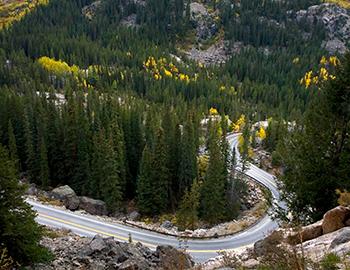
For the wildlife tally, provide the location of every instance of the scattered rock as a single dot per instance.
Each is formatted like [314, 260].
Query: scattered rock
[134, 216]
[335, 219]
[336, 21]
[215, 54]
[97, 243]
[250, 264]
[75, 252]
[167, 224]
[92, 206]
[170, 258]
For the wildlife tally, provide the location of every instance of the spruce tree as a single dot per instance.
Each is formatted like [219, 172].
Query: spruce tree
[317, 155]
[12, 145]
[19, 232]
[187, 216]
[144, 183]
[213, 192]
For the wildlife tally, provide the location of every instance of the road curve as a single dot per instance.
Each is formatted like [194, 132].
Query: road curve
[201, 250]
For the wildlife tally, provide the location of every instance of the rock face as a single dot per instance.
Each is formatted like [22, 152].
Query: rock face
[202, 21]
[336, 21]
[335, 219]
[74, 252]
[94, 207]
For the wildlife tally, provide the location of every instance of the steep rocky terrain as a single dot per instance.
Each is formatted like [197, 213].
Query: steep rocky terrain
[309, 245]
[336, 21]
[75, 252]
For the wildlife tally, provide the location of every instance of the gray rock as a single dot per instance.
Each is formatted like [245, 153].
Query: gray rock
[134, 216]
[336, 21]
[60, 193]
[342, 238]
[72, 202]
[92, 206]
[202, 21]
[98, 244]
[171, 258]
[32, 190]
[167, 224]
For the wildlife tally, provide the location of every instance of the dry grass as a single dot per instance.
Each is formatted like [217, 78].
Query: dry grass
[50, 201]
[51, 233]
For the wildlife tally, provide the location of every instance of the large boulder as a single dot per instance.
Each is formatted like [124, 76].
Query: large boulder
[343, 237]
[72, 202]
[67, 195]
[98, 244]
[335, 219]
[60, 193]
[92, 206]
[171, 258]
[134, 216]
[306, 233]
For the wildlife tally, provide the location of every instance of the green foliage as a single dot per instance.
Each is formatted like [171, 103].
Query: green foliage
[317, 155]
[19, 232]
[187, 216]
[213, 190]
[330, 261]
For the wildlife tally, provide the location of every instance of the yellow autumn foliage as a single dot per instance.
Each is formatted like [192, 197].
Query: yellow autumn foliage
[239, 125]
[213, 111]
[57, 66]
[261, 133]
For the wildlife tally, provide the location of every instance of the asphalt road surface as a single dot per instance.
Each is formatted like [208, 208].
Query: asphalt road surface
[201, 250]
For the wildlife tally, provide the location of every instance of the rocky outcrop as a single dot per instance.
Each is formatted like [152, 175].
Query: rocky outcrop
[336, 21]
[202, 21]
[335, 219]
[90, 10]
[74, 252]
[92, 206]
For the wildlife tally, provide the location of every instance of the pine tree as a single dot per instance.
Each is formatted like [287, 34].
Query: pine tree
[187, 216]
[44, 167]
[188, 162]
[160, 174]
[30, 153]
[144, 183]
[18, 231]
[213, 192]
[106, 183]
[13, 146]
[317, 156]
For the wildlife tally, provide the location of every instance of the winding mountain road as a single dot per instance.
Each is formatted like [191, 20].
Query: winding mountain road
[201, 250]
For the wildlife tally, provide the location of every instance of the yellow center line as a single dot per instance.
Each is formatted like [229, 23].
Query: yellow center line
[118, 236]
